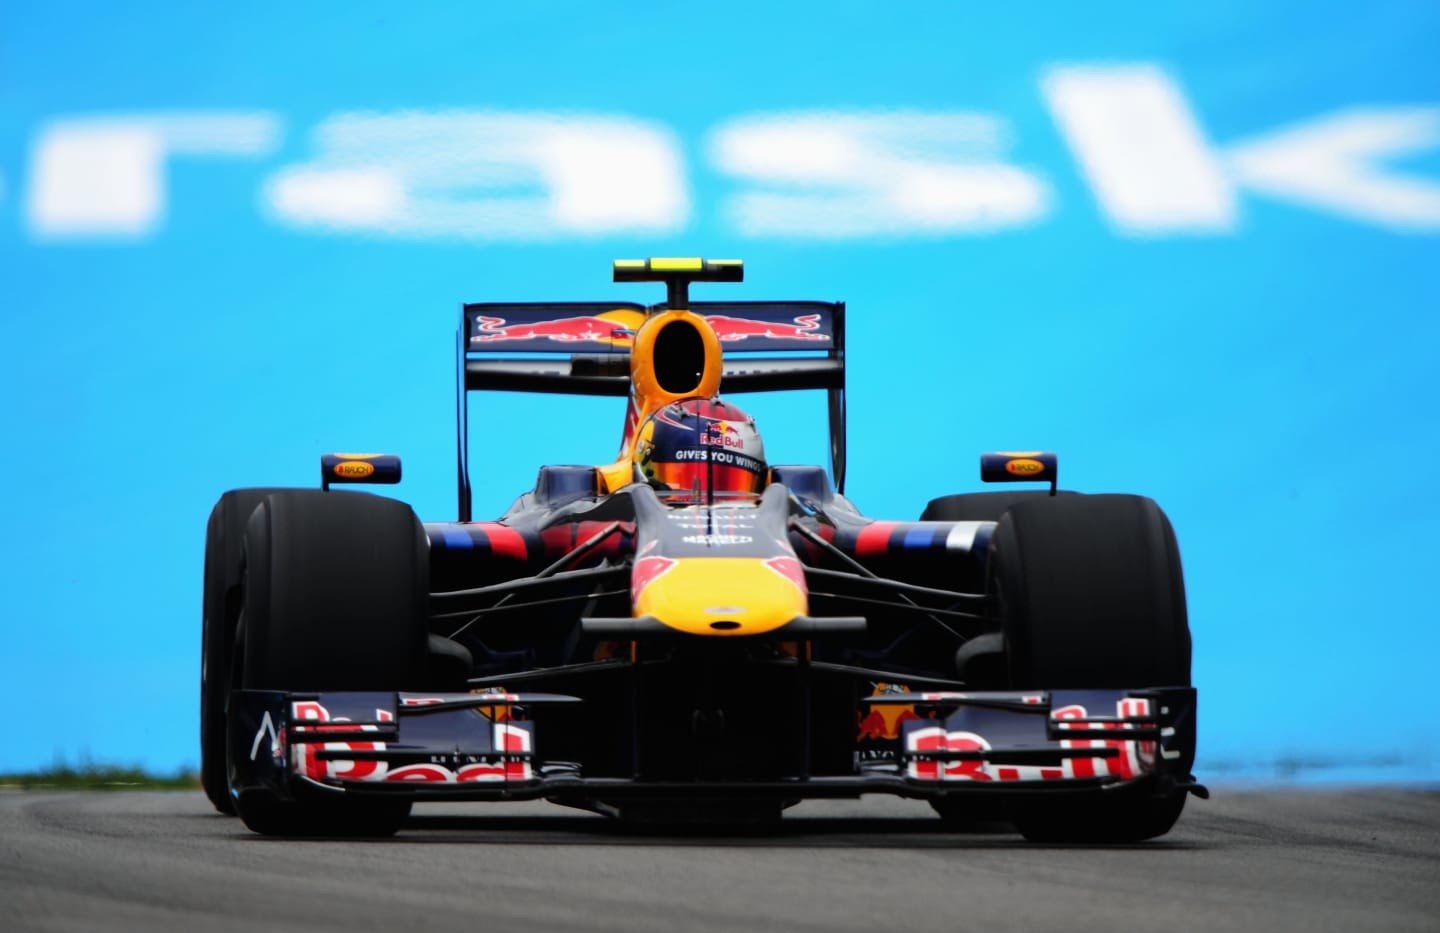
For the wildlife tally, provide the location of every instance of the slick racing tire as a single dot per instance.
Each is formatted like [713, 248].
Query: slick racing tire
[979, 662]
[1091, 595]
[335, 596]
[224, 541]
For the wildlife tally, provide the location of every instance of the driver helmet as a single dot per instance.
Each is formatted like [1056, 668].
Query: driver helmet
[701, 445]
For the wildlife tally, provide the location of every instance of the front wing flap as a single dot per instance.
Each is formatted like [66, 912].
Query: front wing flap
[477, 746]
[1052, 738]
[377, 741]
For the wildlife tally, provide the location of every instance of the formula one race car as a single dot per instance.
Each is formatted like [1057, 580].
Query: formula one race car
[691, 633]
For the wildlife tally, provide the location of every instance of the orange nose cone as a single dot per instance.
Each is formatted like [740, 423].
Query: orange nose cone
[723, 596]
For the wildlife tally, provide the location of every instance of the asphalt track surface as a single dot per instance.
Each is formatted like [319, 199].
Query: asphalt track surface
[1353, 860]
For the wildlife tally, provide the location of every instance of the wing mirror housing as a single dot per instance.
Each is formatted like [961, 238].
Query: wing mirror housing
[1020, 467]
[342, 469]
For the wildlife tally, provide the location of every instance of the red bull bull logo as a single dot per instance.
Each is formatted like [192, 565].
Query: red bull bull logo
[883, 722]
[733, 329]
[586, 328]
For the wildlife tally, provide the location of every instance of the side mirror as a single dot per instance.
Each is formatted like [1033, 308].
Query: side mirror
[359, 468]
[1025, 467]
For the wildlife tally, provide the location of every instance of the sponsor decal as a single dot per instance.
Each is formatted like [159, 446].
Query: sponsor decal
[1024, 467]
[722, 434]
[735, 329]
[563, 330]
[718, 457]
[505, 711]
[506, 739]
[699, 520]
[717, 540]
[354, 469]
[883, 722]
[306, 761]
[1131, 758]
[936, 739]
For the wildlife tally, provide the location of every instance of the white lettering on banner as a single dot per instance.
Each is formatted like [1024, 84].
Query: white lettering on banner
[104, 176]
[1141, 149]
[1152, 170]
[844, 175]
[490, 176]
[827, 175]
[1333, 163]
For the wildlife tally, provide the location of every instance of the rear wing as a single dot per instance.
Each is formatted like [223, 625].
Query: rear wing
[583, 348]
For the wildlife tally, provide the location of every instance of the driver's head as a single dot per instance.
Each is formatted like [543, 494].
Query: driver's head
[703, 445]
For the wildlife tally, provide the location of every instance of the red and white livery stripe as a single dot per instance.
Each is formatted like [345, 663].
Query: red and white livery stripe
[1131, 758]
[306, 762]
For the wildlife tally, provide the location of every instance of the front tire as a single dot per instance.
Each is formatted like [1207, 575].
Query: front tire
[981, 661]
[335, 598]
[1091, 595]
[224, 544]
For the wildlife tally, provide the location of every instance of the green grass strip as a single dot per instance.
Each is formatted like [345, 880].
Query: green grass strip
[98, 777]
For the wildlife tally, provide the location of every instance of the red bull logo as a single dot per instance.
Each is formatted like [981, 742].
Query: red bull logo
[733, 329]
[311, 715]
[503, 713]
[883, 722]
[1126, 759]
[506, 739]
[722, 434]
[586, 328]
[936, 739]
[1130, 758]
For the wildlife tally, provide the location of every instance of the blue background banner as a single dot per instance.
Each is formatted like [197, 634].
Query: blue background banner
[1192, 250]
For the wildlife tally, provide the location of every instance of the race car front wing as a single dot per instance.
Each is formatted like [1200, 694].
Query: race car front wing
[478, 746]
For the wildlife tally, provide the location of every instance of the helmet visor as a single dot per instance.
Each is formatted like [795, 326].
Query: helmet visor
[712, 475]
